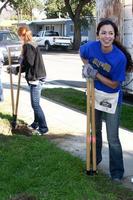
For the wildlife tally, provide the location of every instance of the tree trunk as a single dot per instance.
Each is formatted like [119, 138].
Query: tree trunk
[75, 16]
[110, 9]
[77, 36]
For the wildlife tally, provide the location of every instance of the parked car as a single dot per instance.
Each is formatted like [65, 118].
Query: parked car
[10, 39]
[51, 39]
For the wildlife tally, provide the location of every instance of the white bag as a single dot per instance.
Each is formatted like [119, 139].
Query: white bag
[106, 102]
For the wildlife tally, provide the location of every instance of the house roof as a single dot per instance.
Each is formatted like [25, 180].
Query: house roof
[49, 21]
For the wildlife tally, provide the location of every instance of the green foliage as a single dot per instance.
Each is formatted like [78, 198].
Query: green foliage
[87, 15]
[127, 117]
[34, 166]
[24, 8]
[55, 8]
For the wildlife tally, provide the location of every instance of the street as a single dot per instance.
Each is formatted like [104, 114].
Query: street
[63, 66]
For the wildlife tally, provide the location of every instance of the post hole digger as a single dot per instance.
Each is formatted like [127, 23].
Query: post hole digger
[90, 135]
[13, 102]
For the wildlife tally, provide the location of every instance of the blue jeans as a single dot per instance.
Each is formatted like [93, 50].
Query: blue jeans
[39, 117]
[116, 165]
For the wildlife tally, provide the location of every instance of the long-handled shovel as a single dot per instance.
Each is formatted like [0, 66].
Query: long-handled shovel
[91, 135]
[14, 106]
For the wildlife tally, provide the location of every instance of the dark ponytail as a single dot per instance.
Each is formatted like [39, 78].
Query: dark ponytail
[129, 66]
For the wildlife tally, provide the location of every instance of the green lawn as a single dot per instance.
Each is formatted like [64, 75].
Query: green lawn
[77, 99]
[35, 166]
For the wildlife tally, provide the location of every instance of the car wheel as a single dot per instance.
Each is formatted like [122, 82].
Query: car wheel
[47, 46]
[65, 48]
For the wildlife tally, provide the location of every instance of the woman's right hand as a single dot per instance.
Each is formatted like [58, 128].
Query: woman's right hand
[12, 70]
[88, 71]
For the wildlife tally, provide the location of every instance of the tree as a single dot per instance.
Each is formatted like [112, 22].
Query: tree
[21, 7]
[77, 10]
[5, 3]
[55, 9]
[24, 8]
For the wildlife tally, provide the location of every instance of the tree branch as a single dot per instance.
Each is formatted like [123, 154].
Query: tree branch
[68, 7]
[4, 5]
[80, 7]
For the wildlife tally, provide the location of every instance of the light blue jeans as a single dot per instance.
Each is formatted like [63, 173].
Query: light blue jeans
[39, 117]
[116, 165]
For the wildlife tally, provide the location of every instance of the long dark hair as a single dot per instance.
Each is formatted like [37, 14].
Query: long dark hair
[129, 66]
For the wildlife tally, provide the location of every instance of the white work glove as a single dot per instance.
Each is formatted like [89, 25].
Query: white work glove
[88, 71]
[13, 70]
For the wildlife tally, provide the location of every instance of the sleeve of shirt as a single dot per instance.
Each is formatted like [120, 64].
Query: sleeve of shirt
[120, 71]
[84, 51]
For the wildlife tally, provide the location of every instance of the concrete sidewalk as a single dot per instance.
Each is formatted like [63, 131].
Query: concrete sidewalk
[68, 130]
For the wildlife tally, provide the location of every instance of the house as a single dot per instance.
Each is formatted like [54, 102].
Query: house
[63, 26]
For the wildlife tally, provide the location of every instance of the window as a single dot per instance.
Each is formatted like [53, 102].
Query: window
[51, 33]
[72, 28]
[9, 36]
[47, 28]
[52, 28]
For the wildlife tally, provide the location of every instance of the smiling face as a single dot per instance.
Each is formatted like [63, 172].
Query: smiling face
[106, 36]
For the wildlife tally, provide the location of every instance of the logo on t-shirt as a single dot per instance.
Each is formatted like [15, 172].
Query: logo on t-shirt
[100, 64]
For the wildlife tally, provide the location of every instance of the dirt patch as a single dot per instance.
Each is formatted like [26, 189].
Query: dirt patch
[21, 129]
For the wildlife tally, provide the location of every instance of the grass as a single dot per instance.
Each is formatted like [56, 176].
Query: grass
[127, 117]
[77, 100]
[67, 96]
[35, 166]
